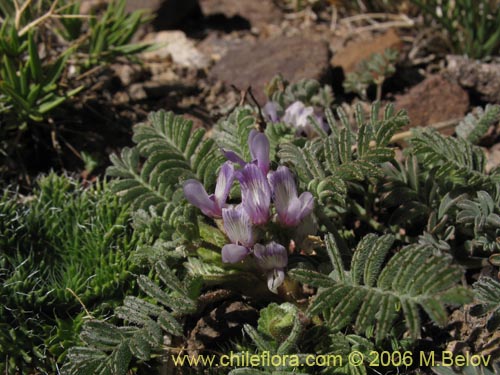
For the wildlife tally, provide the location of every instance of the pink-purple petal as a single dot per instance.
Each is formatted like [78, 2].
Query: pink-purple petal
[271, 256]
[224, 182]
[238, 225]
[275, 278]
[234, 157]
[259, 150]
[270, 111]
[232, 253]
[196, 194]
[307, 204]
[255, 192]
[302, 121]
[291, 215]
[292, 112]
[288, 207]
[297, 115]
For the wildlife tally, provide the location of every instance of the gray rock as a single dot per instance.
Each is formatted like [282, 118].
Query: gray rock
[255, 64]
[483, 78]
[175, 45]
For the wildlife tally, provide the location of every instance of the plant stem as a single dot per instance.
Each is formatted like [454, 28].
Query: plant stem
[379, 91]
[438, 126]
[39, 20]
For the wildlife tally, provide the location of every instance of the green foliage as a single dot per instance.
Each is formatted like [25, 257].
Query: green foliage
[455, 162]
[62, 242]
[372, 71]
[480, 220]
[269, 340]
[326, 164]
[232, 133]
[33, 85]
[70, 27]
[172, 152]
[374, 295]
[277, 321]
[35, 90]
[339, 344]
[475, 125]
[487, 292]
[471, 26]
[466, 370]
[110, 349]
[150, 174]
[307, 91]
[110, 35]
[408, 192]
[438, 203]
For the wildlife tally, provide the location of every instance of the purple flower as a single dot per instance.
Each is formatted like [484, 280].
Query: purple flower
[238, 227]
[234, 157]
[211, 205]
[255, 193]
[273, 259]
[297, 114]
[270, 111]
[259, 151]
[290, 208]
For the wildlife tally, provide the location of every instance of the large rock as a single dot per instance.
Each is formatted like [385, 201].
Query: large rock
[349, 56]
[257, 12]
[434, 100]
[483, 78]
[255, 64]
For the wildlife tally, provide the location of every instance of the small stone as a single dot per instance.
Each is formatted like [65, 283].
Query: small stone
[136, 92]
[358, 50]
[256, 64]
[126, 73]
[121, 97]
[434, 100]
[175, 45]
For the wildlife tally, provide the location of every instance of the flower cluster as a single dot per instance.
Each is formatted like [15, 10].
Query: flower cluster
[297, 115]
[243, 222]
